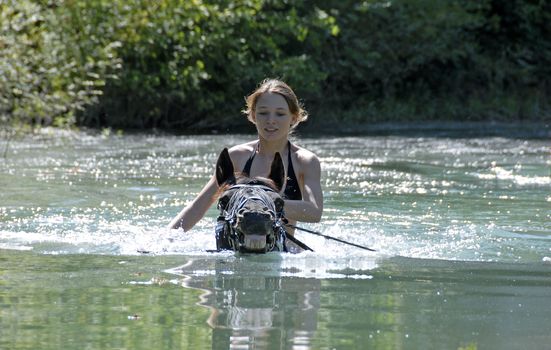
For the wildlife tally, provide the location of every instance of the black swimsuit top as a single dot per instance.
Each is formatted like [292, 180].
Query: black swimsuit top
[292, 189]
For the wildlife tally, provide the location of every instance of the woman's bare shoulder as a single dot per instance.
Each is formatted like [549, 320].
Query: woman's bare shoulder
[240, 153]
[247, 147]
[305, 156]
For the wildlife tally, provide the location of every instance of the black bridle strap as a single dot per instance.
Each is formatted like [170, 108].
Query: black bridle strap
[257, 192]
[238, 199]
[253, 184]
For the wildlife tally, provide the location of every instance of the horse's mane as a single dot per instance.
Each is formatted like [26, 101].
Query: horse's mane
[242, 179]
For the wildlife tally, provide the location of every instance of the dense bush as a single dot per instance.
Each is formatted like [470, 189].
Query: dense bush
[52, 64]
[456, 59]
[182, 64]
[189, 64]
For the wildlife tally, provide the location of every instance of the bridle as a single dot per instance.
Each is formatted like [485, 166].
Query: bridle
[230, 209]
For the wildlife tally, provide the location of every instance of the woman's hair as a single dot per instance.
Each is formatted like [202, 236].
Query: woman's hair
[277, 87]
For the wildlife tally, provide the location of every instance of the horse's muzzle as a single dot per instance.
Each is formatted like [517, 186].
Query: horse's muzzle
[255, 227]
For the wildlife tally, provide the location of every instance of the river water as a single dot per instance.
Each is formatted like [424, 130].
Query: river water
[461, 225]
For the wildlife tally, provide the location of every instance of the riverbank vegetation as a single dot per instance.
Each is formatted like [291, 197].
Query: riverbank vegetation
[186, 65]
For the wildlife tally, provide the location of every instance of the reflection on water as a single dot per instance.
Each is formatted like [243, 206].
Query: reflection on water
[104, 302]
[95, 302]
[252, 309]
[462, 228]
[407, 304]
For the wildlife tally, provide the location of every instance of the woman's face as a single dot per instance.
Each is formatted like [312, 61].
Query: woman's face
[272, 116]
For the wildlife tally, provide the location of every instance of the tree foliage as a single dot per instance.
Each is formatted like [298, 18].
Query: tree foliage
[52, 64]
[187, 64]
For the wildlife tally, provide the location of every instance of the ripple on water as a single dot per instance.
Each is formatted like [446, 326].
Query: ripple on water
[479, 199]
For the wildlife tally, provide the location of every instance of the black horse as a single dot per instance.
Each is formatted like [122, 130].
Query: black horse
[251, 210]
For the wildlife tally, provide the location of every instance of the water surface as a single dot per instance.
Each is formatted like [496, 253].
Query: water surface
[461, 225]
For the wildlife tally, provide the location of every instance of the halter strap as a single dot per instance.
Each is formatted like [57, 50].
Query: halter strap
[242, 196]
[255, 184]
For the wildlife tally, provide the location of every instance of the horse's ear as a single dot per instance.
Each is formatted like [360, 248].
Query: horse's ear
[224, 168]
[277, 172]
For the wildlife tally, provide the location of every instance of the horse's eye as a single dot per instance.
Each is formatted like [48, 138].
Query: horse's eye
[279, 203]
[223, 202]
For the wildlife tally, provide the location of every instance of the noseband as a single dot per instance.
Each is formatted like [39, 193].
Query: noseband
[229, 231]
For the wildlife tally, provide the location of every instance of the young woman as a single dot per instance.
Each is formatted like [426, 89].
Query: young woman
[275, 110]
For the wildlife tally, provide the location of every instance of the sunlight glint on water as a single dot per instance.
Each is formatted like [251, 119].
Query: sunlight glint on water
[479, 199]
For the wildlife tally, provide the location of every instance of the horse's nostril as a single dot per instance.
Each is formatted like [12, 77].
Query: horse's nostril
[255, 223]
[256, 216]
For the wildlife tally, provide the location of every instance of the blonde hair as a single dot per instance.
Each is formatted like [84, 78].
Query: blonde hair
[278, 87]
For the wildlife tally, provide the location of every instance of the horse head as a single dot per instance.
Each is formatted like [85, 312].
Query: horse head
[251, 208]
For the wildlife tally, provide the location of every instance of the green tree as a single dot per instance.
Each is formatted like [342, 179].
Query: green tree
[51, 67]
[181, 64]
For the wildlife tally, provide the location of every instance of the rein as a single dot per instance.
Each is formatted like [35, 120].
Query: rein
[332, 238]
[258, 192]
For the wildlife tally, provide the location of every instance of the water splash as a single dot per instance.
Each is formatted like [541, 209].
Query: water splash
[483, 199]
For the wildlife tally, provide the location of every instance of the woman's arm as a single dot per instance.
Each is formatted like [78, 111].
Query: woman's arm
[193, 212]
[310, 208]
